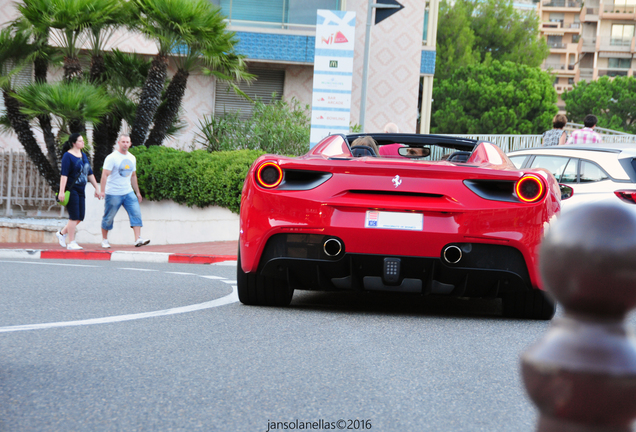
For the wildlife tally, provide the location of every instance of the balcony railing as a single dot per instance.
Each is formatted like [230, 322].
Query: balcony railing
[561, 88]
[613, 72]
[562, 3]
[620, 42]
[556, 45]
[620, 9]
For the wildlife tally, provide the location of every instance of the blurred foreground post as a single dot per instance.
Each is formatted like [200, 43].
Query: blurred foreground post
[582, 374]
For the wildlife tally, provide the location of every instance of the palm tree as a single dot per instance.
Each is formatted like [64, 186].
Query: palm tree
[35, 19]
[15, 51]
[123, 76]
[209, 45]
[67, 101]
[113, 14]
[191, 29]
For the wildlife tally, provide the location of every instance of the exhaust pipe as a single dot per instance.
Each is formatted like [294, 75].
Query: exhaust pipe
[332, 247]
[452, 254]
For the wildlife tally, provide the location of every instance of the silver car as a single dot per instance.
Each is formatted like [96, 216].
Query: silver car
[595, 173]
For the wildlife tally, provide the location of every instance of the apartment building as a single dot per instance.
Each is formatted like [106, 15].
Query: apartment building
[278, 39]
[588, 39]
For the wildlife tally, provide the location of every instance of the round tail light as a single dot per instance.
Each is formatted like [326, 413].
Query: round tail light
[269, 175]
[530, 189]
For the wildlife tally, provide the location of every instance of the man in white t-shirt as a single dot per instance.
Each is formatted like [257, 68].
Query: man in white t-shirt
[119, 187]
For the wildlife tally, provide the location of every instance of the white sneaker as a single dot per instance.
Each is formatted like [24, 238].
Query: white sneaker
[61, 238]
[105, 244]
[141, 242]
[74, 246]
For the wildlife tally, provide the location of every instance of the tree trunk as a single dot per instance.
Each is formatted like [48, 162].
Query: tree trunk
[72, 72]
[22, 128]
[149, 100]
[168, 111]
[97, 69]
[40, 71]
[105, 136]
[72, 69]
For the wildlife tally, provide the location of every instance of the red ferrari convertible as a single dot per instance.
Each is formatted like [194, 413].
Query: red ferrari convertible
[424, 214]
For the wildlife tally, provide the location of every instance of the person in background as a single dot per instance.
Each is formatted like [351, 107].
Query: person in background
[119, 187]
[390, 150]
[556, 135]
[587, 135]
[391, 128]
[76, 171]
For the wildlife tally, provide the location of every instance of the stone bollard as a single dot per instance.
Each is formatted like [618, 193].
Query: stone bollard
[582, 374]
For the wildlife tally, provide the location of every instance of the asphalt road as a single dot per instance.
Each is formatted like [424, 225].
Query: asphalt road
[111, 346]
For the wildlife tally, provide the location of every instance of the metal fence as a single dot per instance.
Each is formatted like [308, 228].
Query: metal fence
[21, 185]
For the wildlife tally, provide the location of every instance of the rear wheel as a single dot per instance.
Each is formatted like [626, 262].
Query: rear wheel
[257, 290]
[531, 304]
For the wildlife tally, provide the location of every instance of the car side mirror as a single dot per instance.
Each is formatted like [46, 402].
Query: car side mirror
[566, 191]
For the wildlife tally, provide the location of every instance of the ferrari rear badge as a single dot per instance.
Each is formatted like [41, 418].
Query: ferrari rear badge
[397, 180]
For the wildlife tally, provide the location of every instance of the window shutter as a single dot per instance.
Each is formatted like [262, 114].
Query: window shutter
[254, 10]
[266, 83]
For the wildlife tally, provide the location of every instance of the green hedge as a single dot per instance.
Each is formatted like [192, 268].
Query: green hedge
[195, 178]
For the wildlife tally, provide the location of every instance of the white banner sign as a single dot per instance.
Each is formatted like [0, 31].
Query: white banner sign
[333, 74]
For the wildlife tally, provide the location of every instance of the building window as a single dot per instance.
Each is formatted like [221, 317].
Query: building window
[425, 24]
[619, 63]
[555, 41]
[570, 81]
[624, 3]
[575, 38]
[622, 34]
[268, 87]
[274, 12]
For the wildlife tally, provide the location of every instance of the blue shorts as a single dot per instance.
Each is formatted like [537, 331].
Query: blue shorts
[76, 206]
[112, 204]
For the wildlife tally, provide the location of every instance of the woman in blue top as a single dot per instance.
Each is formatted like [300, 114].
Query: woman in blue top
[76, 171]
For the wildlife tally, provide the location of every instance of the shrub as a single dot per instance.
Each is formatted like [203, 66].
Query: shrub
[280, 128]
[196, 178]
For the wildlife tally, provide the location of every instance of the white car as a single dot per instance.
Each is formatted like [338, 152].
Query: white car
[605, 172]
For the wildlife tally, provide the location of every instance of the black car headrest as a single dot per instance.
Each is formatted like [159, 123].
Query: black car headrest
[362, 150]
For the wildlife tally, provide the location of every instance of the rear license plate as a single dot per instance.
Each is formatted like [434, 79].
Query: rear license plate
[394, 220]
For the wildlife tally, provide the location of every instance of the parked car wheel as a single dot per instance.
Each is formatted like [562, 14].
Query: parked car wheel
[533, 304]
[257, 290]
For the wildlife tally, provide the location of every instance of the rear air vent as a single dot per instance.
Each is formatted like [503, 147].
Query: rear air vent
[396, 193]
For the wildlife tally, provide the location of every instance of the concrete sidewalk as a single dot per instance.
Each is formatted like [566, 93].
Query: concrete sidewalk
[192, 253]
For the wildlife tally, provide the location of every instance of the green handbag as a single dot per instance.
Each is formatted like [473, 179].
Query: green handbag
[63, 202]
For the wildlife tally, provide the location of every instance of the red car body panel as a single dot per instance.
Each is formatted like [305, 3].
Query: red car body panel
[452, 212]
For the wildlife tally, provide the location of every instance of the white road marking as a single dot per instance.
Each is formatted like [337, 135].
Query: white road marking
[136, 269]
[50, 264]
[228, 299]
[224, 263]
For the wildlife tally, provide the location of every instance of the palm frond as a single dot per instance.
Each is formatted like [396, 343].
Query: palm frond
[65, 101]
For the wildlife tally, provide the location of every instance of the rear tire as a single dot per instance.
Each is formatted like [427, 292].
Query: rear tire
[257, 290]
[529, 305]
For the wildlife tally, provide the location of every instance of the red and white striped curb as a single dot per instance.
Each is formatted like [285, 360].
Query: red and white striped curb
[156, 257]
